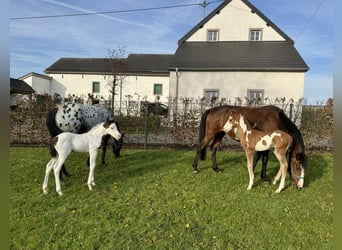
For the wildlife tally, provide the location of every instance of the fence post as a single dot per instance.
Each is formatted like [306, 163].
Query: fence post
[146, 124]
[291, 111]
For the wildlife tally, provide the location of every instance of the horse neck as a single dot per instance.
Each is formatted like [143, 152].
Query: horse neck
[243, 127]
[97, 132]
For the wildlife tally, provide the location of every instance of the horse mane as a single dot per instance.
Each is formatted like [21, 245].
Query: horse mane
[297, 139]
[51, 123]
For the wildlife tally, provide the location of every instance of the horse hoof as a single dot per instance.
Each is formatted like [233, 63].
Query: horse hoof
[217, 170]
[60, 193]
[266, 179]
[45, 191]
[195, 171]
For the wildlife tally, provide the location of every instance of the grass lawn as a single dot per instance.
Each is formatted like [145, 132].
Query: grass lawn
[150, 199]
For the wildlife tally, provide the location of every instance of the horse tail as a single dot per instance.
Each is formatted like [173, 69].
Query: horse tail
[54, 130]
[53, 151]
[203, 150]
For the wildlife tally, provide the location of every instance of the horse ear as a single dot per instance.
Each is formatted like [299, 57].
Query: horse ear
[106, 123]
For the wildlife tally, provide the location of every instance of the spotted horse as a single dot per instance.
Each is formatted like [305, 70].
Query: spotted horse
[80, 118]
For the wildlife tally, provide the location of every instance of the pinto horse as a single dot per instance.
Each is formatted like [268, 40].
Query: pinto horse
[254, 140]
[62, 145]
[79, 118]
[213, 127]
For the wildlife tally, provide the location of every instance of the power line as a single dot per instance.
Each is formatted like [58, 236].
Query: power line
[309, 20]
[114, 11]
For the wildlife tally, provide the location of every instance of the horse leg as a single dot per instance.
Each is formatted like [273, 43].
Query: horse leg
[92, 157]
[200, 153]
[216, 143]
[105, 139]
[249, 156]
[49, 167]
[63, 171]
[264, 159]
[282, 171]
[57, 169]
[256, 159]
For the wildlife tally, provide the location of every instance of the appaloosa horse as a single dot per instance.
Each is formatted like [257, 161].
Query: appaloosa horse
[62, 145]
[213, 127]
[80, 118]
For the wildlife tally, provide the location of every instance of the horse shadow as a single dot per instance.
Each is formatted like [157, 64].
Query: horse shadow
[317, 167]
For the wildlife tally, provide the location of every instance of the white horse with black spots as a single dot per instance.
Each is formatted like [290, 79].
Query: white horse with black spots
[79, 118]
[63, 144]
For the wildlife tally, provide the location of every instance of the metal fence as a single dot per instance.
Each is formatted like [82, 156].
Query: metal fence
[145, 124]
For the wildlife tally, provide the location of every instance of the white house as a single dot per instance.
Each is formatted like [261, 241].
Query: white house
[235, 51]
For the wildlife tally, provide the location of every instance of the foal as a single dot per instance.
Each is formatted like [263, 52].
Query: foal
[62, 145]
[255, 140]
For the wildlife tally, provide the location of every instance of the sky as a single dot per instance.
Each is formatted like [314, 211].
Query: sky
[36, 43]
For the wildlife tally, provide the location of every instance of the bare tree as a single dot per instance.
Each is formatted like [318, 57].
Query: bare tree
[117, 67]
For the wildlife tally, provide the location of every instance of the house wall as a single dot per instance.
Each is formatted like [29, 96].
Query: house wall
[236, 84]
[141, 87]
[234, 22]
[136, 86]
[40, 85]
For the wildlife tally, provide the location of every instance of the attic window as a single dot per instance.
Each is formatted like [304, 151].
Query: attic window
[255, 34]
[212, 35]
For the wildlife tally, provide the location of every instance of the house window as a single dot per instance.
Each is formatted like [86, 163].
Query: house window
[158, 89]
[211, 94]
[256, 96]
[255, 34]
[96, 87]
[213, 35]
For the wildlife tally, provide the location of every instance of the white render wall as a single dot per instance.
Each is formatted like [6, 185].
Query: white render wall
[235, 84]
[141, 87]
[136, 86]
[40, 85]
[234, 23]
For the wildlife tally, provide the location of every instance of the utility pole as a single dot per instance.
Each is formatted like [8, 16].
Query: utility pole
[204, 4]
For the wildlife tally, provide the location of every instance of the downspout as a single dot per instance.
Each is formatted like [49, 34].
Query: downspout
[177, 83]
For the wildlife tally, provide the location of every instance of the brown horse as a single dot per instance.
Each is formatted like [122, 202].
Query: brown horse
[254, 140]
[214, 126]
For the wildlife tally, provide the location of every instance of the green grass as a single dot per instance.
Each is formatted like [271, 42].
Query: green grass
[150, 199]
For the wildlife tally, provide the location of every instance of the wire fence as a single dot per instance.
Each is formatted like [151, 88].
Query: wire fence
[171, 124]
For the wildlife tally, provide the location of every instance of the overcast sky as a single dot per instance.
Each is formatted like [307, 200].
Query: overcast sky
[37, 43]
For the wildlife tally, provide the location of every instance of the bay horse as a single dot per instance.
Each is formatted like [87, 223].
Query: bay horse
[62, 145]
[254, 140]
[265, 118]
[79, 118]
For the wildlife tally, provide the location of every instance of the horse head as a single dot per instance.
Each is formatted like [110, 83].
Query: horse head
[298, 166]
[112, 129]
[116, 146]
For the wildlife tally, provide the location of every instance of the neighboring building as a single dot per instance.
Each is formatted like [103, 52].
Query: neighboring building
[145, 75]
[40, 83]
[18, 90]
[235, 51]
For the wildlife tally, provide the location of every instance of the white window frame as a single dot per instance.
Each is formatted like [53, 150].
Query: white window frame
[256, 96]
[255, 34]
[213, 35]
[208, 94]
